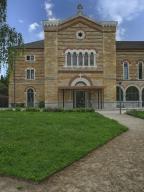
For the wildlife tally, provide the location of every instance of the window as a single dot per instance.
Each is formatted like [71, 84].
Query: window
[80, 58]
[91, 59]
[86, 59]
[125, 70]
[74, 59]
[69, 59]
[30, 74]
[140, 70]
[30, 58]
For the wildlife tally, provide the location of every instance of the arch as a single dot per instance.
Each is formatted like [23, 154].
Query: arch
[132, 93]
[80, 84]
[30, 87]
[30, 94]
[78, 80]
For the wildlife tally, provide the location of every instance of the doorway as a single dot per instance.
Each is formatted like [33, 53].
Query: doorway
[80, 99]
[30, 98]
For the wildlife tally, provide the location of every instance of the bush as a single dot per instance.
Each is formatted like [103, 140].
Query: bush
[41, 104]
[20, 105]
[68, 110]
[32, 109]
[53, 109]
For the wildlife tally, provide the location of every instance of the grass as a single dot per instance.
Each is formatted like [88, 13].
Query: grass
[139, 114]
[34, 145]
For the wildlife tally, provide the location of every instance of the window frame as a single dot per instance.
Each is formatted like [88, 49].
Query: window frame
[30, 74]
[138, 70]
[30, 60]
[77, 52]
[125, 62]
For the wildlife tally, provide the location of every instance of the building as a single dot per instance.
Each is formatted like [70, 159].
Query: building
[79, 64]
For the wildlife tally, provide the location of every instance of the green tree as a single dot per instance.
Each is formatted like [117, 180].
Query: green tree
[10, 40]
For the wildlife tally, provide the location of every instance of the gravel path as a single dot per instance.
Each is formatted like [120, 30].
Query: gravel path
[116, 167]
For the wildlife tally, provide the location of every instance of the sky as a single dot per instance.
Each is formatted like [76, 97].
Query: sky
[27, 16]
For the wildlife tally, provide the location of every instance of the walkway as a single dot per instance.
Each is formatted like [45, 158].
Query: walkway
[116, 167]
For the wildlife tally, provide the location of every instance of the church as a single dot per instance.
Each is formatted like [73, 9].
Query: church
[79, 64]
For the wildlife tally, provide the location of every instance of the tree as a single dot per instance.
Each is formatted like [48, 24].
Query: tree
[10, 40]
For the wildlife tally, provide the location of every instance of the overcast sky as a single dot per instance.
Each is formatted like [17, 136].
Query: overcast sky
[26, 16]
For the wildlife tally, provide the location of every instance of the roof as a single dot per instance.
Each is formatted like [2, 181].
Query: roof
[35, 45]
[130, 45]
[120, 45]
[58, 22]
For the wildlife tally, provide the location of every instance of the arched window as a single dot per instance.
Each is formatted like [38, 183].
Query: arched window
[86, 59]
[140, 70]
[74, 59]
[125, 70]
[91, 59]
[80, 57]
[69, 59]
[119, 94]
[80, 84]
[132, 94]
[30, 98]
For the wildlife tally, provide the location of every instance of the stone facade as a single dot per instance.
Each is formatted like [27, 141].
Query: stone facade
[81, 85]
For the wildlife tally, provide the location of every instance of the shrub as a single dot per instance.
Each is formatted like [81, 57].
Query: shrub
[41, 104]
[32, 109]
[49, 109]
[20, 104]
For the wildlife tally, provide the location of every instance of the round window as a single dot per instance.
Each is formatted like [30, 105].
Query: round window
[80, 34]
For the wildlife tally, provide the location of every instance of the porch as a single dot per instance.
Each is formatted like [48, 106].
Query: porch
[81, 97]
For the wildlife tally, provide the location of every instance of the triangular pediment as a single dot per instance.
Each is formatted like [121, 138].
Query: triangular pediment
[80, 19]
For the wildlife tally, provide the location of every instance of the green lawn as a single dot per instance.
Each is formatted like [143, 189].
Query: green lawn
[34, 145]
[139, 114]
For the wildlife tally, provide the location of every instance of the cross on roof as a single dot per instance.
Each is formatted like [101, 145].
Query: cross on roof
[80, 75]
[80, 9]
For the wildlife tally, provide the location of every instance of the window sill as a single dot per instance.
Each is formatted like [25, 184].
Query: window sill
[80, 69]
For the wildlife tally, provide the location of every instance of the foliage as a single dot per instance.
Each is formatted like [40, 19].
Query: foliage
[41, 104]
[135, 113]
[3, 5]
[32, 109]
[4, 80]
[10, 40]
[3, 89]
[36, 145]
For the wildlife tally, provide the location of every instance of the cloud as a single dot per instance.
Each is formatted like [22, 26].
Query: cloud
[120, 33]
[40, 35]
[33, 26]
[120, 10]
[48, 5]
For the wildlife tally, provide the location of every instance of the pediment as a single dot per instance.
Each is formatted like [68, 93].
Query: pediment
[80, 19]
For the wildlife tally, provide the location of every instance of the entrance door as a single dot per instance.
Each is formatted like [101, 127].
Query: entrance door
[30, 98]
[80, 99]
